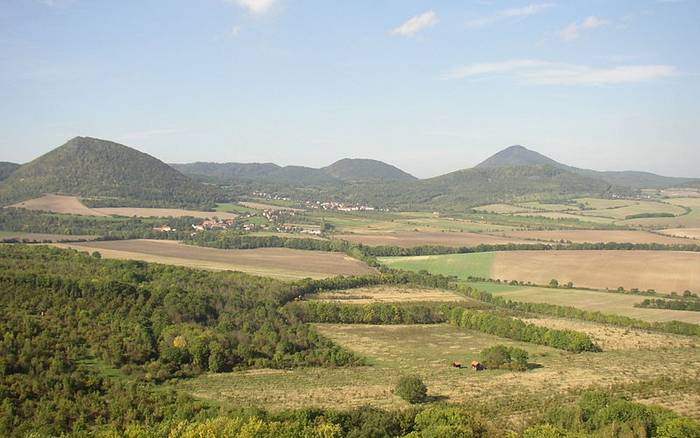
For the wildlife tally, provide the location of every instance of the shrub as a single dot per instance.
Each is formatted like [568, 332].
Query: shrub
[412, 389]
[500, 356]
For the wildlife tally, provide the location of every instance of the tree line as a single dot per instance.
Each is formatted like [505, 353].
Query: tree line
[434, 313]
[660, 303]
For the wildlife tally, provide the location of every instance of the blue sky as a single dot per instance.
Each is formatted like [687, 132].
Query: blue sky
[430, 86]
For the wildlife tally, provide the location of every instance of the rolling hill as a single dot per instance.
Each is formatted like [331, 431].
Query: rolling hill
[6, 169]
[92, 167]
[366, 170]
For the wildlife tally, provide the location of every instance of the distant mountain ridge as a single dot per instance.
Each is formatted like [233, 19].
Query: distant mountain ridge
[86, 166]
[521, 156]
[355, 170]
[94, 168]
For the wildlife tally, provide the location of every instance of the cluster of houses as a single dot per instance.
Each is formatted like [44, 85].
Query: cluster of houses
[208, 224]
[337, 206]
[266, 195]
[214, 224]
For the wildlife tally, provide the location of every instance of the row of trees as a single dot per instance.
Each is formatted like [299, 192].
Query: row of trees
[660, 303]
[675, 327]
[21, 220]
[371, 313]
[513, 328]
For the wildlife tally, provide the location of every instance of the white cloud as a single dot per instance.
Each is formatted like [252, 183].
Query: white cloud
[573, 31]
[416, 24]
[521, 12]
[538, 72]
[257, 7]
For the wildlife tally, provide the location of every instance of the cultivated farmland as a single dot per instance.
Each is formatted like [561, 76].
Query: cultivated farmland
[592, 269]
[274, 262]
[410, 239]
[595, 301]
[162, 212]
[72, 205]
[58, 204]
[597, 236]
[603, 269]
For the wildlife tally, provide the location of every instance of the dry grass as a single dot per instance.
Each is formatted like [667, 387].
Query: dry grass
[664, 271]
[274, 262]
[411, 239]
[388, 294]
[58, 204]
[597, 236]
[688, 233]
[161, 212]
[617, 338]
[428, 351]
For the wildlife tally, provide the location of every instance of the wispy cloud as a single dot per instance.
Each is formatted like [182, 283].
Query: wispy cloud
[257, 7]
[539, 72]
[574, 30]
[57, 4]
[519, 12]
[416, 24]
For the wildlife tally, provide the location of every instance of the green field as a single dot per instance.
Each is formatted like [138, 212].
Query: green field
[458, 265]
[233, 208]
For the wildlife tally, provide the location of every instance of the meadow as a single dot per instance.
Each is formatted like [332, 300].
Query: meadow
[428, 351]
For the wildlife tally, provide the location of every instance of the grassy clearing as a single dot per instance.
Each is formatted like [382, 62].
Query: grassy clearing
[428, 351]
[459, 265]
[618, 338]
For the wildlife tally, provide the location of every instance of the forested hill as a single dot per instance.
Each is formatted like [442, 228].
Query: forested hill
[6, 169]
[87, 166]
[366, 170]
[517, 155]
[347, 170]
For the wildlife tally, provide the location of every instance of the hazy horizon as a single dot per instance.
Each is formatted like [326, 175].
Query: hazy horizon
[430, 87]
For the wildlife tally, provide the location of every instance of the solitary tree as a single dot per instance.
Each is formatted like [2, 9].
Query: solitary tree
[412, 389]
